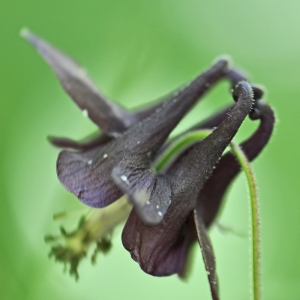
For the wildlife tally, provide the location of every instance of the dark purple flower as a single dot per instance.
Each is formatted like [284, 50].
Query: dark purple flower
[158, 248]
[92, 175]
[168, 251]
[172, 209]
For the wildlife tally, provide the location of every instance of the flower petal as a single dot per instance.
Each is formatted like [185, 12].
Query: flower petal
[207, 253]
[78, 172]
[150, 245]
[92, 183]
[87, 144]
[110, 117]
[164, 260]
[150, 192]
[235, 76]
[211, 196]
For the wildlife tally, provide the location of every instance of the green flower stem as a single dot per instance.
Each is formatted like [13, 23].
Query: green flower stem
[186, 141]
[255, 219]
[177, 147]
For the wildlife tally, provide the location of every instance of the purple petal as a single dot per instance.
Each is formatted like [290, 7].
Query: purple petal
[150, 245]
[164, 259]
[78, 174]
[210, 197]
[61, 142]
[207, 253]
[153, 199]
[110, 117]
[150, 193]
[93, 184]
[212, 194]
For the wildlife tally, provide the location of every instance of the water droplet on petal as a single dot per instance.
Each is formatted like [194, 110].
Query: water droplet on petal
[85, 113]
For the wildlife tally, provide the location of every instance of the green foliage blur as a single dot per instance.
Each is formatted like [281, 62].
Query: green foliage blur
[137, 51]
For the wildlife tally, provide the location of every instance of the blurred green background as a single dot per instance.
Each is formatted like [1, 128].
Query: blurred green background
[139, 50]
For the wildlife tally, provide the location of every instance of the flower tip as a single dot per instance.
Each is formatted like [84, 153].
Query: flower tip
[244, 89]
[24, 32]
[224, 58]
[29, 36]
[58, 142]
[258, 91]
[257, 110]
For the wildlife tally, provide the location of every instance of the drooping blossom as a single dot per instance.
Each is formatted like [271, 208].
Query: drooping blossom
[173, 207]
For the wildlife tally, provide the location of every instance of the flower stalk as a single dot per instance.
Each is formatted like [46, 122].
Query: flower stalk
[255, 219]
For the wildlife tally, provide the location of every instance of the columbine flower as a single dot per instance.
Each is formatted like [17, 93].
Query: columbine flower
[173, 207]
[168, 251]
[88, 174]
[156, 248]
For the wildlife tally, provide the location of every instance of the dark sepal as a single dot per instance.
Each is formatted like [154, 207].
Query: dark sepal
[207, 254]
[149, 192]
[166, 257]
[212, 194]
[87, 144]
[84, 174]
[153, 246]
[89, 178]
[110, 117]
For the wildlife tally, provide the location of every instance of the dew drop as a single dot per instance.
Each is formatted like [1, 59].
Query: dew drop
[123, 177]
[85, 113]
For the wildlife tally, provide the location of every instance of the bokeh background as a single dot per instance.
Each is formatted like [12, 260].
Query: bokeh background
[137, 51]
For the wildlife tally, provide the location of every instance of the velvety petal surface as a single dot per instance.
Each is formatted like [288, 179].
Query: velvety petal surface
[212, 194]
[130, 155]
[150, 192]
[153, 199]
[207, 253]
[110, 117]
[150, 245]
[158, 264]
[87, 144]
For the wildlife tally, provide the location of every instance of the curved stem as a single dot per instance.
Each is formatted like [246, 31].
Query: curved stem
[255, 219]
